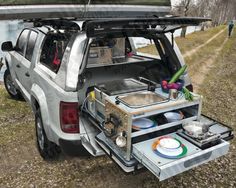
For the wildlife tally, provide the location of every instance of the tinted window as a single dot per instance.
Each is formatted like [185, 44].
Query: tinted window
[53, 49]
[31, 44]
[22, 41]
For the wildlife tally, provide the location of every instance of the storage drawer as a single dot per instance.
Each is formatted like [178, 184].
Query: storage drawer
[165, 168]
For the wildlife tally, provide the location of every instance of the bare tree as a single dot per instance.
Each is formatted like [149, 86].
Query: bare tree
[221, 11]
[183, 9]
[186, 6]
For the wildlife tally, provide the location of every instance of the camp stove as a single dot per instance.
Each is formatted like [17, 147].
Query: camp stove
[204, 141]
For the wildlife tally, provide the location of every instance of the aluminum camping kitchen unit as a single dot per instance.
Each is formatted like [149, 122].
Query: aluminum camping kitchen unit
[117, 113]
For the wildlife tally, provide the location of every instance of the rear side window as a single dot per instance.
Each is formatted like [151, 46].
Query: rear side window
[22, 41]
[31, 45]
[53, 50]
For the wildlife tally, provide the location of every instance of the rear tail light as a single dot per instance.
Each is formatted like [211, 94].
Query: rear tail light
[190, 87]
[69, 117]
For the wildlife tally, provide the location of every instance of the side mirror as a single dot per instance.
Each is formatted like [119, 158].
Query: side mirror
[7, 46]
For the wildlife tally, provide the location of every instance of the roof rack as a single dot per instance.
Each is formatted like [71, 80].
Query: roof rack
[168, 24]
[57, 24]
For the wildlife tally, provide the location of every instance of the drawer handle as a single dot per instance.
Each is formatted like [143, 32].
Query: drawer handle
[197, 160]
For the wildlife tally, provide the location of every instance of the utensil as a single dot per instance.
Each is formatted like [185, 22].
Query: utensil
[121, 140]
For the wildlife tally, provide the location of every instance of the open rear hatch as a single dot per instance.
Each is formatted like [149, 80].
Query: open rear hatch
[101, 27]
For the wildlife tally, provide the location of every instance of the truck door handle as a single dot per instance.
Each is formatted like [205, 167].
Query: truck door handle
[18, 66]
[27, 74]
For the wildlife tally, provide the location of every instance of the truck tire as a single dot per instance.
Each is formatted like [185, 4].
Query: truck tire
[10, 86]
[47, 149]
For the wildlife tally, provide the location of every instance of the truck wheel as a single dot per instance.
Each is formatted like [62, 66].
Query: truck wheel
[10, 86]
[47, 149]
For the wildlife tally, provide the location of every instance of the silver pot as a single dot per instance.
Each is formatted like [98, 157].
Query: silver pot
[196, 129]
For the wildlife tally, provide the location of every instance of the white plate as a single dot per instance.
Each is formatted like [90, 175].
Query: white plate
[171, 153]
[169, 143]
[173, 116]
[143, 123]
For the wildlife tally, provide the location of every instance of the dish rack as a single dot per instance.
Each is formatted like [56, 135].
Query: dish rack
[126, 115]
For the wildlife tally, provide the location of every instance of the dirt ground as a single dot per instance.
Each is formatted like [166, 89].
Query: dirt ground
[21, 165]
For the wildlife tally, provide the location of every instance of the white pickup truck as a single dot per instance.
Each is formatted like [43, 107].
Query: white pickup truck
[96, 84]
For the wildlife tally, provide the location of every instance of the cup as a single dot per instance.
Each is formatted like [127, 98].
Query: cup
[173, 93]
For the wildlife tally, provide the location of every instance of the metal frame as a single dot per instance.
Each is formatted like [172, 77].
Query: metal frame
[153, 110]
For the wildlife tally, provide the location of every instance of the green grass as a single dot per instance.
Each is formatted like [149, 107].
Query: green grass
[13, 111]
[190, 42]
[204, 54]
[150, 49]
[16, 133]
[193, 40]
[219, 87]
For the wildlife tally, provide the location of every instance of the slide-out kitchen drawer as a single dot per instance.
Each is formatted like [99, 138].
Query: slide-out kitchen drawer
[165, 168]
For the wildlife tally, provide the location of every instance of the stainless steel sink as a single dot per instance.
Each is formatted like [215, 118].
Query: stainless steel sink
[141, 99]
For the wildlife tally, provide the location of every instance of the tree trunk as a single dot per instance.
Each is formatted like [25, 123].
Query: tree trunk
[183, 32]
[203, 27]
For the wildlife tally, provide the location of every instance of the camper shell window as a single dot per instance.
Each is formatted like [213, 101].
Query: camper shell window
[105, 51]
[53, 49]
